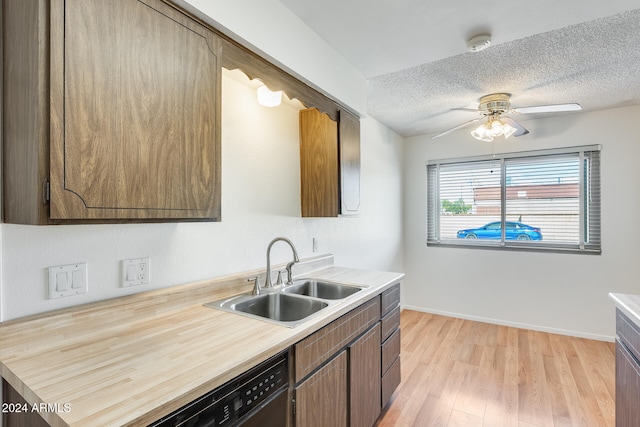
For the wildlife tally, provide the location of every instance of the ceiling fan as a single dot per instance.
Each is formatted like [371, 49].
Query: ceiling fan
[493, 109]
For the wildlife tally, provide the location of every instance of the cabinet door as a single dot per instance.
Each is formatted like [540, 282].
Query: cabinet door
[135, 93]
[349, 164]
[318, 164]
[627, 388]
[364, 373]
[329, 164]
[321, 400]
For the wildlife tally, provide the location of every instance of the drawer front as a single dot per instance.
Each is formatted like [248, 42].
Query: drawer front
[318, 347]
[390, 299]
[390, 381]
[390, 351]
[628, 333]
[390, 323]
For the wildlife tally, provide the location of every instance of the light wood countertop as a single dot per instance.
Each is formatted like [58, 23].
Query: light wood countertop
[134, 359]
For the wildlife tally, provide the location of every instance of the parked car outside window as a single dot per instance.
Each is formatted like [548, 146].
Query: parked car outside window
[493, 230]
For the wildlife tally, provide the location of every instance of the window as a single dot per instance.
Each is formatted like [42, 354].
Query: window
[542, 200]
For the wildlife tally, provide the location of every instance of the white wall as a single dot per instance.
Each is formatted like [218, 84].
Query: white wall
[564, 293]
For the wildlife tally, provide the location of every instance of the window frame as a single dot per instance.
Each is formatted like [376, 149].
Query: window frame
[590, 220]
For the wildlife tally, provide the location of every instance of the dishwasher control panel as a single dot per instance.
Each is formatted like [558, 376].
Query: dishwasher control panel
[264, 384]
[241, 397]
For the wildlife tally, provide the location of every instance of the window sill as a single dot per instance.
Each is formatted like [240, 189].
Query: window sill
[513, 246]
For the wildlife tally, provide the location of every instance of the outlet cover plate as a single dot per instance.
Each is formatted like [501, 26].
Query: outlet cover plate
[136, 272]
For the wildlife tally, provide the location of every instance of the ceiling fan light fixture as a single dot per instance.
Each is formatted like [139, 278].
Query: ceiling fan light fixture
[493, 106]
[493, 128]
[482, 133]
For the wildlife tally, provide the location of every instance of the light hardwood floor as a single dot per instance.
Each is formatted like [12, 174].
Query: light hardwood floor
[463, 373]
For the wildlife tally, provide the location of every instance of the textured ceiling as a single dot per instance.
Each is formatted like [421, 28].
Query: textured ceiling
[414, 55]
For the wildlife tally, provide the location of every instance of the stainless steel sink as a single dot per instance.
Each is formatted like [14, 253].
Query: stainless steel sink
[288, 305]
[321, 289]
[283, 309]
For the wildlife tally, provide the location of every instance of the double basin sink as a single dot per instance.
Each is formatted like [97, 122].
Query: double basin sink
[288, 305]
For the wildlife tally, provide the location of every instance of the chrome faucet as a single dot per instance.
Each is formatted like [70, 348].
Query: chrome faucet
[267, 280]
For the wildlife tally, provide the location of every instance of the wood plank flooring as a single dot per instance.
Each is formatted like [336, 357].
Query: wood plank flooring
[463, 373]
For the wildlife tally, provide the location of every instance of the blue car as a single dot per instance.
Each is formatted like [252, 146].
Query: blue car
[493, 230]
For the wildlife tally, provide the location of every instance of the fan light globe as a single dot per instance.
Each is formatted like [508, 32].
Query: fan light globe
[496, 128]
[508, 130]
[482, 133]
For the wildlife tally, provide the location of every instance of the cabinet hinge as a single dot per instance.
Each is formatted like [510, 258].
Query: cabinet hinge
[293, 406]
[46, 191]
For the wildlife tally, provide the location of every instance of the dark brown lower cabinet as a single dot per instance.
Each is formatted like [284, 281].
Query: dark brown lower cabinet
[364, 379]
[321, 400]
[346, 390]
[368, 339]
[627, 388]
[627, 372]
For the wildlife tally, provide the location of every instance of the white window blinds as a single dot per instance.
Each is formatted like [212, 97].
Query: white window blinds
[539, 200]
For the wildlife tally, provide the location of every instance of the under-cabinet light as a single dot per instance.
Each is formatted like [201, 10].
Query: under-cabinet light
[268, 98]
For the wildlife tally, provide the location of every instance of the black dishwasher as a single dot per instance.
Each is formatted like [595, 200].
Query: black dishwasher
[257, 397]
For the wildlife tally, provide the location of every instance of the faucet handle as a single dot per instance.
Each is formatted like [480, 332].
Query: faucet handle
[256, 285]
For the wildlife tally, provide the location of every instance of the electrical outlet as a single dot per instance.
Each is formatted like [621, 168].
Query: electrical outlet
[136, 272]
[315, 244]
[66, 280]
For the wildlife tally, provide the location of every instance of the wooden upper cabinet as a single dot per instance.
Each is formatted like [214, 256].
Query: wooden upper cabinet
[319, 176]
[329, 164]
[133, 106]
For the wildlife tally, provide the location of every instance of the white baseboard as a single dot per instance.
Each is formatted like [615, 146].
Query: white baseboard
[513, 324]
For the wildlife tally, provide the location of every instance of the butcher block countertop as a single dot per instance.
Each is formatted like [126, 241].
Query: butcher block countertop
[134, 359]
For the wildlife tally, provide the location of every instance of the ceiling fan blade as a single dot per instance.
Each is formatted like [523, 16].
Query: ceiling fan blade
[457, 127]
[555, 108]
[520, 130]
[473, 110]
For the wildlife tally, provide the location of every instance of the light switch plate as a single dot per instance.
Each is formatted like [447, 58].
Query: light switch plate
[66, 280]
[136, 272]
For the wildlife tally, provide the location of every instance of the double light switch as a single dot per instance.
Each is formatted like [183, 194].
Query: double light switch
[65, 280]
